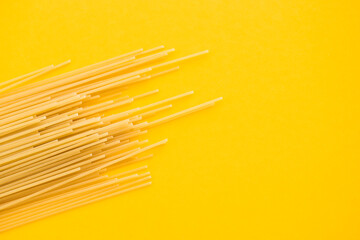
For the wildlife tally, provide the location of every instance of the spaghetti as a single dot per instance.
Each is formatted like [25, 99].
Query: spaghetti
[58, 136]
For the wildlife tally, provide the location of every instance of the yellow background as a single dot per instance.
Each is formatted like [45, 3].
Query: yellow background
[277, 159]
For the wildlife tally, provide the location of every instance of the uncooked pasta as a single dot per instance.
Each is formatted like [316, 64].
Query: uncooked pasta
[60, 136]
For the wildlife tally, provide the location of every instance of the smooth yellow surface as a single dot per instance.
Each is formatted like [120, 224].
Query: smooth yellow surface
[277, 159]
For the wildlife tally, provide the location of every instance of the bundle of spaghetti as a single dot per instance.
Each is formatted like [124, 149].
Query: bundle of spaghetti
[59, 136]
